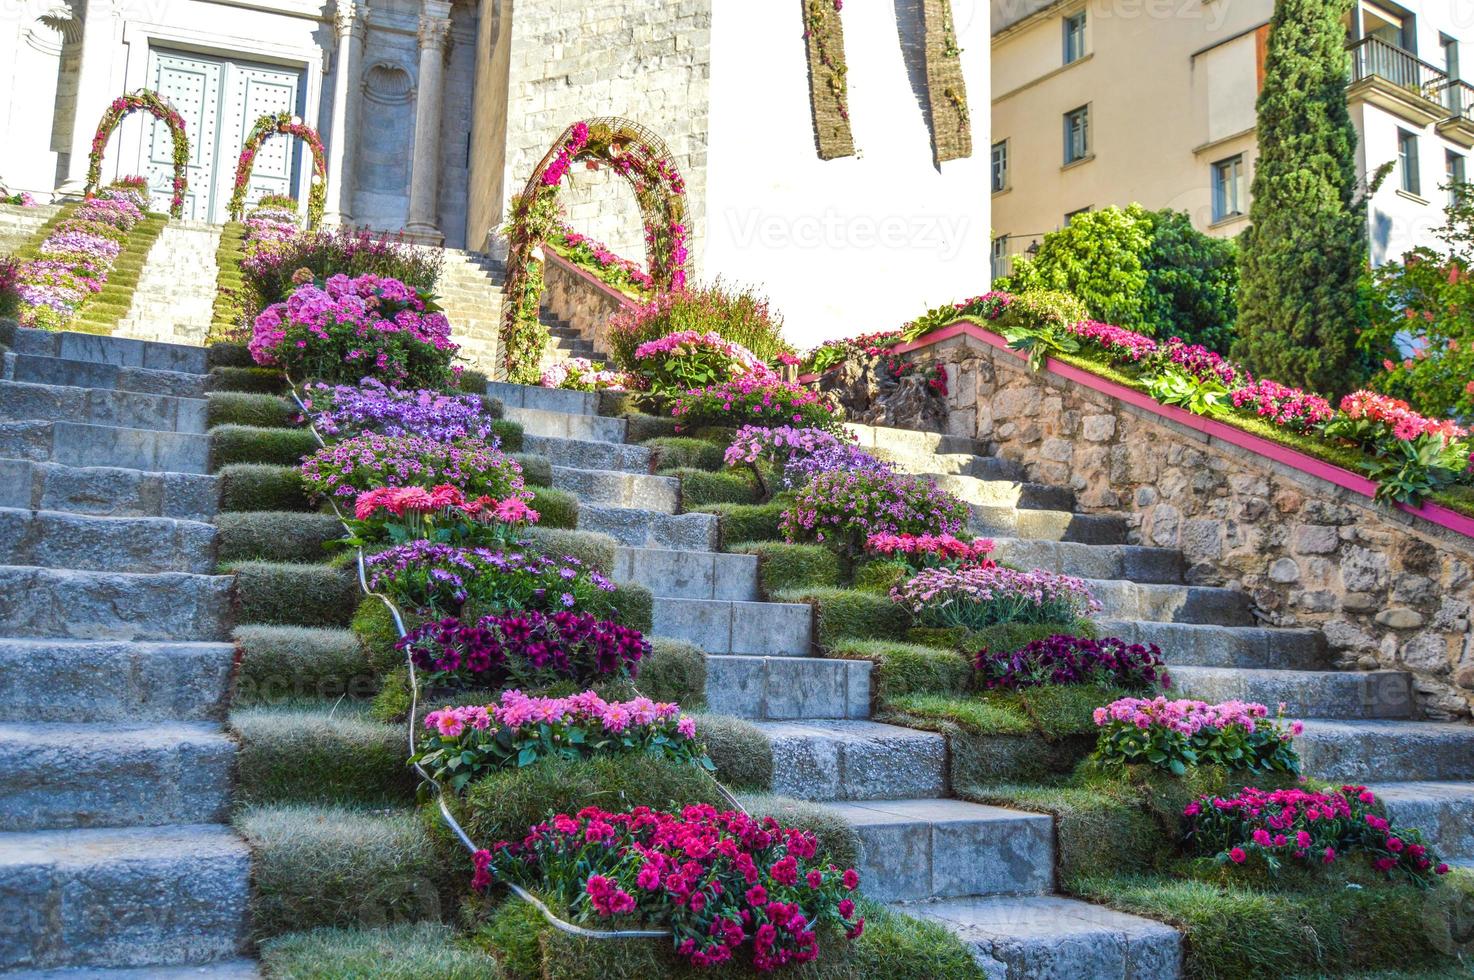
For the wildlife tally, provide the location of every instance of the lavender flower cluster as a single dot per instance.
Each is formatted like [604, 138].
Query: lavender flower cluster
[346, 410]
[443, 578]
[75, 258]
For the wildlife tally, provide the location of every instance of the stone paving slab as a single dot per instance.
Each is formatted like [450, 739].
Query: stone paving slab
[47, 680]
[107, 490]
[614, 488]
[53, 602]
[855, 760]
[56, 539]
[643, 529]
[21, 401]
[1207, 645]
[717, 626]
[1444, 811]
[1304, 693]
[1363, 751]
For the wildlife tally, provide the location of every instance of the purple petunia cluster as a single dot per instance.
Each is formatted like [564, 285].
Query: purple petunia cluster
[526, 649]
[345, 410]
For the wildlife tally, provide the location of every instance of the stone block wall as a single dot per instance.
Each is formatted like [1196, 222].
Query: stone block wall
[1388, 589]
[576, 297]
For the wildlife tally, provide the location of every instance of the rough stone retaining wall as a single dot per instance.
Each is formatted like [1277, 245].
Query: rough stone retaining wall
[577, 298]
[1388, 589]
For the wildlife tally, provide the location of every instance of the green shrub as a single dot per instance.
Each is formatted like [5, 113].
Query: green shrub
[319, 866]
[590, 547]
[742, 754]
[285, 663]
[328, 754]
[907, 668]
[674, 671]
[699, 488]
[845, 614]
[248, 408]
[249, 444]
[782, 567]
[510, 434]
[260, 486]
[740, 523]
[289, 594]
[1043, 309]
[374, 627]
[474, 382]
[268, 381]
[289, 536]
[227, 354]
[635, 605]
[409, 951]
[537, 471]
[684, 452]
[642, 428]
[555, 508]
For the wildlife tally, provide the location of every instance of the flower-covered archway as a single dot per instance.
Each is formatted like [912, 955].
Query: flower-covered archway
[642, 159]
[156, 105]
[288, 125]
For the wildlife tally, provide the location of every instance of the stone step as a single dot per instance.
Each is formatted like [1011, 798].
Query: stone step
[855, 760]
[1055, 937]
[216, 970]
[1200, 645]
[583, 454]
[958, 464]
[689, 574]
[83, 444]
[1105, 561]
[94, 374]
[1305, 693]
[55, 539]
[107, 490]
[913, 850]
[592, 428]
[787, 688]
[1120, 599]
[779, 629]
[614, 488]
[58, 681]
[545, 399]
[123, 898]
[20, 401]
[909, 442]
[113, 351]
[80, 605]
[1365, 751]
[1006, 493]
[643, 529]
[56, 775]
[1047, 525]
[1443, 811]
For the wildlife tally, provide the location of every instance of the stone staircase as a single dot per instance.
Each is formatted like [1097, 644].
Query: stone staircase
[18, 224]
[115, 771]
[175, 299]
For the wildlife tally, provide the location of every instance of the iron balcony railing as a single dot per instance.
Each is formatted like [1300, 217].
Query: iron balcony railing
[1458, 98]
[1374, 57]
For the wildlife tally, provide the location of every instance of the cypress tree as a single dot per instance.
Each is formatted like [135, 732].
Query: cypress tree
[1302, 261]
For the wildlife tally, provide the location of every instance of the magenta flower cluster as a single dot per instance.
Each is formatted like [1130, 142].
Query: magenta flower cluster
[1178, 735]
[978, 596]
[1067, 659]
[755, 401]
[1126, 345]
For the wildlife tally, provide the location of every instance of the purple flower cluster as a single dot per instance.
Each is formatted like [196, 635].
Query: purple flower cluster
[74, 260]
[368, 460]
[845, 507]
[526, 649]
[801, 468]
[1065, 659]
[443, 578]
[345, 410]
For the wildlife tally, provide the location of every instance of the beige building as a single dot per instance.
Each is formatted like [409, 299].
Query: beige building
[1106, 102]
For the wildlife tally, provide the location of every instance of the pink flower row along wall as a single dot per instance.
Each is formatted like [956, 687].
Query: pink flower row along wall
[1388, 589]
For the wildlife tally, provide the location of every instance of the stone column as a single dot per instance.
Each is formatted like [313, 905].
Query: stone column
[424, 212]
[94, 90]
[349, 26]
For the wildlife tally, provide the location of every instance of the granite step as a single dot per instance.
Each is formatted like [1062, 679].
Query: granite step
[1202, 645]
[1006, 493]
[855, 760]
[1365, 751]
[83, 444]
[107, 491]
[590, 428]
[68, 372]
[48, 680]
[20, 401]
[643, 529]
[778, 629]
[910, 442]
[586, 455]
[1047, 525]
[912, 850]
[1055, 937]
[82, 605]
[1120, 599]
[115, 351]
[787, 688]
[615, 488]
[1443, 811]
[544, 399]
[56, 775]
[689, 574]
[217, 970]
[1304, 693]
[123, 898]
[954, 464]
[1164, 566]
[56, 539]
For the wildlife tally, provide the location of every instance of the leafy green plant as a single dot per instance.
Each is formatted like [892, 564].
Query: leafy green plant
[1201, 396]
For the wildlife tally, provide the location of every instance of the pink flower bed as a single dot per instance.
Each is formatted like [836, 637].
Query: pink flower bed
[1177, 735]
[74, 260]
[930, 550]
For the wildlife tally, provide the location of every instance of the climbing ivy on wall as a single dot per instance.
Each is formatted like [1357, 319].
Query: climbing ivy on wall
[951, 125]
[828, 90]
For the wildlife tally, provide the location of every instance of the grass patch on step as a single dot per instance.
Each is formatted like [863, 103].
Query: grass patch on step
[320, 752]
[700, 488]
[849, 614]
[408, 951]
[510, 434]
[907, 668]
[537, 471]
[250, 408]
[277, 536]
[684, 452]
[291, 594]
[262, 486]
[641, 428]
[555, 508]
[634, 606]
[674, 671]
[324, 866]
[739, 523]
[254, 444]
[591, 547]
[743, 757]
[280, 664]
[781, 566]
[258, 379]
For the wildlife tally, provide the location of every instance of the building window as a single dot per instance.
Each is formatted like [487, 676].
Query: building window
[1074, 37]
[1077, 134]
[1228, 187]
[1000, 166]
[1453, 164]
[998, 258]
[1072, 215]
[1407, 161]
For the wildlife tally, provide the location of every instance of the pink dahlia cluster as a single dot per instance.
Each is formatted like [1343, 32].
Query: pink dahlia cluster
[725, 883]
[406, 501]
[1306, 827]
[1398, 417]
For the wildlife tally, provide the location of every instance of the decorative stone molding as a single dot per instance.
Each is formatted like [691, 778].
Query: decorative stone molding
[349, 20]
[434, 32]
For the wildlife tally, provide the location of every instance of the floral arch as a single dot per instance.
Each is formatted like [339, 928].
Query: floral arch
[289, 125]
[644, 161]
[156, 105]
